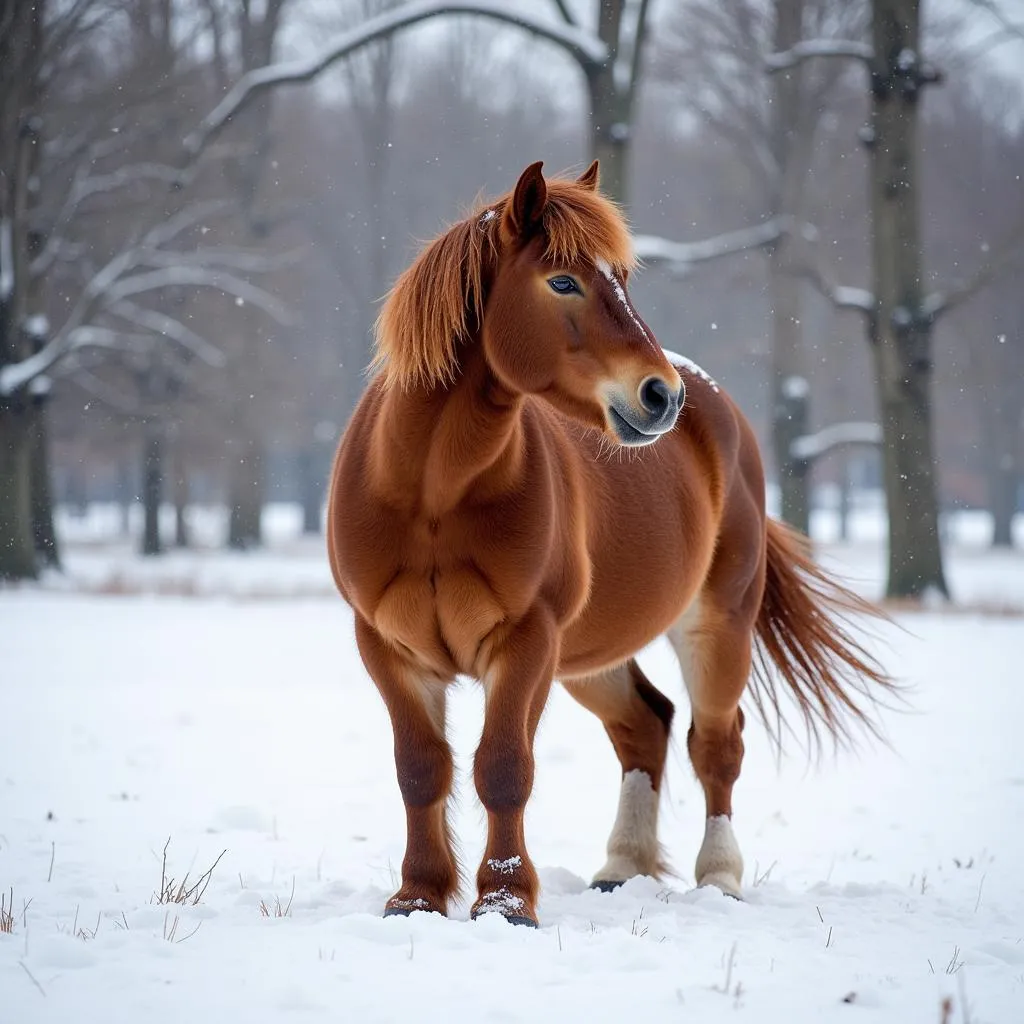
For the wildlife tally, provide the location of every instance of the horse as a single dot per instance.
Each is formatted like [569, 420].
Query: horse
[531, 489]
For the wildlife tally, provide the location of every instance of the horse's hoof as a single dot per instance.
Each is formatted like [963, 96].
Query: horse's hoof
[606, 884]
[726, 884]
[518, 919]
[405, 908]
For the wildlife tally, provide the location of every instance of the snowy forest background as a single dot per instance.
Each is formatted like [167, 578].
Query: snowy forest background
[188, 327]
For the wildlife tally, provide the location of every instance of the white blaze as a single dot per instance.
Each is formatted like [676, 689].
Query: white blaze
[620, 293]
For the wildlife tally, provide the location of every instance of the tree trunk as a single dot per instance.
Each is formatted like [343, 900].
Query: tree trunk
[1004, 479]
[901, 334]
[790, 421]
[125, 497]
[790, 418]
[17, 551]
[609, 134]
[152, 489]
[44, 536]
[844, 499]
[789, 382]
[311, 485]
[181, 493]
[246, 487]
[611, 103]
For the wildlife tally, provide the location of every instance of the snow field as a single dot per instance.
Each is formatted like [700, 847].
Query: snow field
[875, 885]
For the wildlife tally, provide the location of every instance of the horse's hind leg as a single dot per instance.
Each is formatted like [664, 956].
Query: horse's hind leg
[714, 650]
[637, 718]
[425, 769]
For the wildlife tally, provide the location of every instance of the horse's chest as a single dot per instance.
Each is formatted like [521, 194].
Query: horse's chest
[437, 589]
[441, 617]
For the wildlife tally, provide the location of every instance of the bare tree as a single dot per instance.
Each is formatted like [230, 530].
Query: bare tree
[21, 67]
[898, 313]
[709, 56]
[61, 168]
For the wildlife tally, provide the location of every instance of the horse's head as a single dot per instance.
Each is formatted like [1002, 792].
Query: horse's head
[557, 319]
[537, 278]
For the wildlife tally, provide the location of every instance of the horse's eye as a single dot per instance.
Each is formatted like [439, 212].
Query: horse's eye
[563, 284]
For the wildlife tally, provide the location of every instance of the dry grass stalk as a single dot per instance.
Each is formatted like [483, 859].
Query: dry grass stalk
[279, 909]
[7, 913]
[171, 929]
[173, 891]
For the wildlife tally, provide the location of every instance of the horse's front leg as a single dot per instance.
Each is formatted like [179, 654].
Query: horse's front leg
[521, 663]
[423, 760]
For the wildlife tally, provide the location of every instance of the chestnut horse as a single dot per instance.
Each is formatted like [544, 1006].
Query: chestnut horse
[483, 522]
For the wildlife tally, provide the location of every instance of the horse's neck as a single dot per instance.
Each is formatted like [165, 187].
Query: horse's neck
[437, 443]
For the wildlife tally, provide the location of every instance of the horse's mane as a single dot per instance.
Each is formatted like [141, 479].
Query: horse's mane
[438, 300]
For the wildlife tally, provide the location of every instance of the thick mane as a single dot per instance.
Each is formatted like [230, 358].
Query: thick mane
[438, 301]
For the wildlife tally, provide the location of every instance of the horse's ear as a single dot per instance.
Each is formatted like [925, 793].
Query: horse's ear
[526, 211]
[590, 177]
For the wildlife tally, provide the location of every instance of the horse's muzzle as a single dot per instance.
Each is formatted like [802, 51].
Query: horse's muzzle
[654, 413]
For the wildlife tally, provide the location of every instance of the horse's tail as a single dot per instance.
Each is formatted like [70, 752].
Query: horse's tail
[801, 631]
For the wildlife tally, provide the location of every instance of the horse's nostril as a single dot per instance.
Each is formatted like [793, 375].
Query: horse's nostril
[655, 396]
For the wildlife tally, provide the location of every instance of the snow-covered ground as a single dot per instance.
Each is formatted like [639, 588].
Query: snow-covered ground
[219, 701]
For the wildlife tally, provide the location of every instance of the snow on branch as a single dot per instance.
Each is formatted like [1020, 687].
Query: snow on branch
[141, 269]
[85, 185]
[583, 46]
[808, 49]
[813, 446]
[199, 277]
[236, 259]
[192, 215]
[168, 327]
[680, 256]
[15, 376]
[841, 296]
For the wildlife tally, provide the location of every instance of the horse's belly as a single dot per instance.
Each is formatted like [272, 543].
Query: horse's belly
[607, 634]
[641, 585]
[439, 620]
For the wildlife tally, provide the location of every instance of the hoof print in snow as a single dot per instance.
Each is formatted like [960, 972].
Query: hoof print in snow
[607, 884]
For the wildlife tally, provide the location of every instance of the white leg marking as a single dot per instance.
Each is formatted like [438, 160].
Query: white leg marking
[719, 862]
[633, 844]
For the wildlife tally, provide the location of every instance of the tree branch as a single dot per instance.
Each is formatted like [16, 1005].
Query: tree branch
[841, 296]
[121, 278]
[943, 300]
[166, 326]
[563, 10]
[813, 446]
[680, 256]
[809, 49]
[15, 376]
[1011, 28]
[199, 277]
[83, 186]
[639, 39]
[583, 46]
